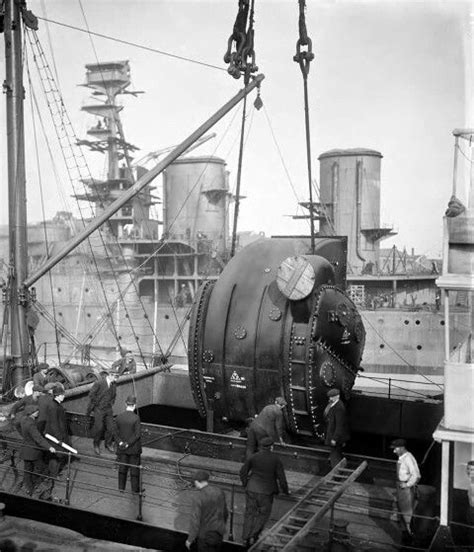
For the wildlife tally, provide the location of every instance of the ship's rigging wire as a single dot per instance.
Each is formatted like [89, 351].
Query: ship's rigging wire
[399, 355]
[237, 182]
[127, 160]
[53, 320]
[177, 322]
[43, 311]
[68, 133]
[239, 178]
[134, 44]
[65, 136]
[50, 42]
[45, 232]
[391, 384]
[465, 155]
[282, 160]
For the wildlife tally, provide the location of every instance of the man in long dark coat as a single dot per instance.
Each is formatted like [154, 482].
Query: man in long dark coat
[269, 423]
[127, 432]
[208, 515]
[31, 451]
[101, 399]
[337, 426]
[262, 474]
[56, 426]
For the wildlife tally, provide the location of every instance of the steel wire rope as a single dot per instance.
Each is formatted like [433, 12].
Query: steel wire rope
[233, 145]
[373, 378]
[465, 155]
[45, 232]
[285, 168]
[51, 49]
[62, 133]
[399, 355]
[134, 44]
[317, 190]
[65, 124]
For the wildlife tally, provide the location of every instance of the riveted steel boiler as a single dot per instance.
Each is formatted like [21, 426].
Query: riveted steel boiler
[276, 322]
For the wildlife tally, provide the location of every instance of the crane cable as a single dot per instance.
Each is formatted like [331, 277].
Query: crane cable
[304, 57]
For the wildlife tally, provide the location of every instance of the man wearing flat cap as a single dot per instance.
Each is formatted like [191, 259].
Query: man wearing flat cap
[408, 475]
[263, 476]
[208, 515]
[52, 420]
[337, 426]
[269, 423]
[31, 451]
[40, 377]
[101, 399]
[125, 364]
[17, 411]
[127, 433]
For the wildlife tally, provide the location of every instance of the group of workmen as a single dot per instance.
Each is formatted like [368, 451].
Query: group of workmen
[41, 420]
[263, 476]
[40, 416]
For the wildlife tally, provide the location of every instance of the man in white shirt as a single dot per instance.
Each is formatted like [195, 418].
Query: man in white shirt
[408, 475]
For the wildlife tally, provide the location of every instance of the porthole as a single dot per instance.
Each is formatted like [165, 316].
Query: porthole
[88, 315]
[382, 346]
[59, 290]
[167, 316]
[442, 322]
[417, 322]
[419, 347]
[406, 322]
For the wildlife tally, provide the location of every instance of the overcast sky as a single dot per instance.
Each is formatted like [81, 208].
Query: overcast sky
[391, 76]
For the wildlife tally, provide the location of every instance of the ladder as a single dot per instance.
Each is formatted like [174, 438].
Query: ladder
[289, 532]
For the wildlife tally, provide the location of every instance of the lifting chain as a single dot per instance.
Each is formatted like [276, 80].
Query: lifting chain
[241, 60]
[303, 57]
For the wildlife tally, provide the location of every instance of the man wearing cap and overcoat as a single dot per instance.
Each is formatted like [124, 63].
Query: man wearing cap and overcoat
[40, 377]
[127, 433]
[208, 516]
[269, 423]
[101, 399]
[17, 411]
[337, 426]
[408, 475]
[52, 420]
[263, 476]
[31, 451]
